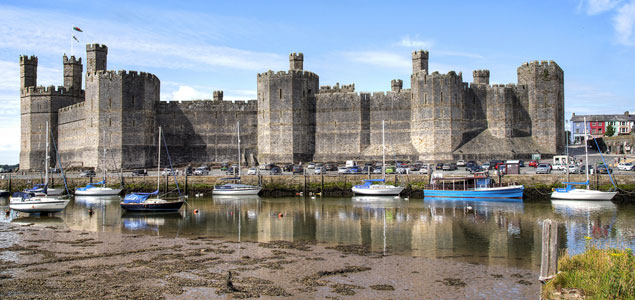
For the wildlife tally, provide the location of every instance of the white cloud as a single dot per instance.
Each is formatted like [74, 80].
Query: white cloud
[380, 58]
[414, 43]
[187, 93]
[594, 7]
[623, 23]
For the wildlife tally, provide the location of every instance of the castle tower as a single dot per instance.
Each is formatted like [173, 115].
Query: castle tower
[28, 71]
[480, 76]
[420, 61]
[544, 82]
[286, 114]
[396, 85]
[72, 72]
[96, 56]
[218, 95]
[296, 61]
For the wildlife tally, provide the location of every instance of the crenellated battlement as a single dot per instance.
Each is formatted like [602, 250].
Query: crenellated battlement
[217, 95]
[28, 60]
[541, 64]
[480, 73]
[96, 47]
[72, 60]
[297, 73]
[347, 88]
[50, 91]
[209, 105]
[420, 54]
[124, 74]
[72, 107]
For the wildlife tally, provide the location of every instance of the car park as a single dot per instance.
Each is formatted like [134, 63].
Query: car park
[625, 166]
[252, 171]
[543, 169]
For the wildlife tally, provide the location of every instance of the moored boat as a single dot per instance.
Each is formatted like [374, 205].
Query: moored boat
[380, 189]
[479, 185]
[92, 190]
[236, 188]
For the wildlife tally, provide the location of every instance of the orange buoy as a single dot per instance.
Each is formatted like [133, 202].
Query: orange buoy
[196, 211]
[280, 215]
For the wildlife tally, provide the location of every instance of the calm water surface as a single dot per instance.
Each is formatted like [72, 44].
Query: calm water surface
[500, 233]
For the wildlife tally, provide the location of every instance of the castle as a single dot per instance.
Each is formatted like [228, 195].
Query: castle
[293, 119]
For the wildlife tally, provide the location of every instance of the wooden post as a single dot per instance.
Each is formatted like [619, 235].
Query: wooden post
[304, 182]
[186, 188]
[549, 257]
[322, 184]
[166, 182]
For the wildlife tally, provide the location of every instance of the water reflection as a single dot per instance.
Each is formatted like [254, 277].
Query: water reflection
[487, 232]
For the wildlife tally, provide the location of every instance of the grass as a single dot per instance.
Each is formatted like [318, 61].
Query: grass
[596, 274]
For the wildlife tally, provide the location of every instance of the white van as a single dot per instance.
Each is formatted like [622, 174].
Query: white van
[350, 163]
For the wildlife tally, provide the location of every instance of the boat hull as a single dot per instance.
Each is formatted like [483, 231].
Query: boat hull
[162, 206]
[43, 205]
[98, 191]
[236, 192]
[383, 191]
[583, 194]
[508, 192]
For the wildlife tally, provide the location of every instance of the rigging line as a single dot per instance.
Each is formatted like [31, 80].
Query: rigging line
[607, 166]
[165, 144]
[59, 162]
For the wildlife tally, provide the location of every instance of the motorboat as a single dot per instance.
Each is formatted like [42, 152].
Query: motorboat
[236, 188]
[477, 186]
[143, 203]
[4, 193]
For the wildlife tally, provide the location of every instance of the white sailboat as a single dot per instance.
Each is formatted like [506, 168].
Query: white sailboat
[30, 202]
[236, 189]
[380, 189]
[572, 193]
[92, 190]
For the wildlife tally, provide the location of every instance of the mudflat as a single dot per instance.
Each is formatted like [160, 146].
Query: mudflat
[53, 263]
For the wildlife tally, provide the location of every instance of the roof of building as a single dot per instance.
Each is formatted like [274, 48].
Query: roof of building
[603, 118]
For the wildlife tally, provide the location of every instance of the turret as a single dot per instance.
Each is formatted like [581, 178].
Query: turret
[28, 71]
[218, 95]
[72, 72]
[396, 85]
[96, 56]
[420, 61]
[480, 76]
[296, 61]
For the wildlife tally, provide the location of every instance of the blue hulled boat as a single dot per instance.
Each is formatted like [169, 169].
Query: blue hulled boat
[474, 187]
[142, 202]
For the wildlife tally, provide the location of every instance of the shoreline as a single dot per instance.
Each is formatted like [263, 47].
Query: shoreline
[49, 262]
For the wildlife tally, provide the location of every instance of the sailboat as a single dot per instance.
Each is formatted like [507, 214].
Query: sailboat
[236, 188]
[572, 193]
[381, 188]
[92, 190]
[143, 202]
[30, 202]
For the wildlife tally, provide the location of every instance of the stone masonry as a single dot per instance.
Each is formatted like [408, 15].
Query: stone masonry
[293, 119]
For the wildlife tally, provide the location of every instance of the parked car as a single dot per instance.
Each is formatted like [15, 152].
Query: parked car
[139, 173]
[583, 169]
[559, 167]
[377, 170]
[439, 166]
[353, 170]
[573, 169]
[533, 164]
[469, 164]
[423, 169]
[288, 168]
[189, 171]
[167, 171]
[521, 163]
[311, 166]
[342, 170]
[319, 170]
[401, 170]
[543, 169]
[297, 169]
[625, 166]
[475, 168]
[449, 167]
[603, 169]
[390, 170]
[330, 167]
[275, 170]
[201, 171]
[460, 163]
[485, 166]
[252, 171]
[87, 173]
[224, 166]
[367, 169]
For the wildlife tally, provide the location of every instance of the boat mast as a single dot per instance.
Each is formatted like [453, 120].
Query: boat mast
[383, 151]
[104, 160]
[159, 164]
[46, 160]
[586, 154]
[238, 132]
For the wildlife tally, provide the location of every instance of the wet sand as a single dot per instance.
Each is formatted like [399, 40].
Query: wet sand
[54, 263]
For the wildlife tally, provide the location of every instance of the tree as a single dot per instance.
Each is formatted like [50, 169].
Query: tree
[610, 131]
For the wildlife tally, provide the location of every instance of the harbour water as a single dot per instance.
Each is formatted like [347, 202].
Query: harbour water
[482, 232]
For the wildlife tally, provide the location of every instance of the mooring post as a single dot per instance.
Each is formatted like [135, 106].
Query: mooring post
[9, 185]
[186, 188]
[549, 257]
[322, 183]
[304, 182]
[166, 182]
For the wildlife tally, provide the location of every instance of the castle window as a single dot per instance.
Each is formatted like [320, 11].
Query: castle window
[309, 91]
[441, 96]
[110, 103]
[109, 122]
[132, 101]
[280, 94]
[133, 123]
[303, 93]
[425, 98]
[473, 99]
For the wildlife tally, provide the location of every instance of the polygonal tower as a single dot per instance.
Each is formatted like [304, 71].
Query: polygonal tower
[72, 72]
[545, 89]
[286, 113]
[96, 56]
[420, 61]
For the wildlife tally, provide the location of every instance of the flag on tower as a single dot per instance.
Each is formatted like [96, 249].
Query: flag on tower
[75, 38]
[77, 29]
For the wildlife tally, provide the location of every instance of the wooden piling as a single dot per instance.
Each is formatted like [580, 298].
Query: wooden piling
[549, 257]
[186, 186]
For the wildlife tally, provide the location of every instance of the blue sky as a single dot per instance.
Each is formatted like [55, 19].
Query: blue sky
[200, 46]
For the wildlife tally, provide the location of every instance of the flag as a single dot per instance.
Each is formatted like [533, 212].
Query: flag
[75, 38]
[77, 29]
